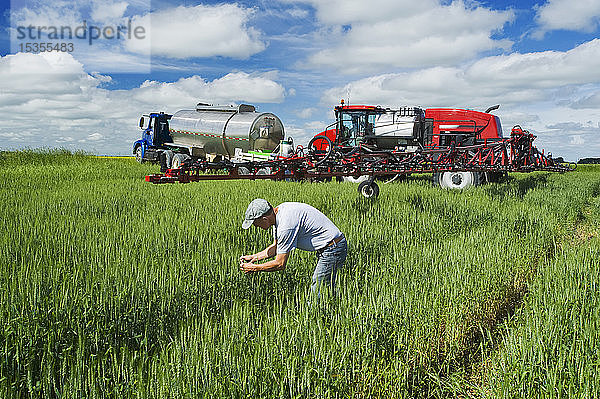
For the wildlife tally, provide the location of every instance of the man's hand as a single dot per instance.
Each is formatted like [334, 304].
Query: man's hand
[271, 266]
[247, 267]
[247, 258]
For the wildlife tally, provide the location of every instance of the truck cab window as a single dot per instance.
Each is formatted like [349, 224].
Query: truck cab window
[151, 124]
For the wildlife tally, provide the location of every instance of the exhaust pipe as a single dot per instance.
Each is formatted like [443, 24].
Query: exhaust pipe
[492, 108]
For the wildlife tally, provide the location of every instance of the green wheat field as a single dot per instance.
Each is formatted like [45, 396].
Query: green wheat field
[114, 287]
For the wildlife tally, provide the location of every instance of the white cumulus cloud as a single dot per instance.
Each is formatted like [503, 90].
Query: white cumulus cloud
[108, 11]
[591, 101]
[574, 15]
[59, 13]
[306, 112]
[510, 79]
[577, 140]
[383, 34]
[198, 31]
[235, 86]
[343, 12]
[95, 137]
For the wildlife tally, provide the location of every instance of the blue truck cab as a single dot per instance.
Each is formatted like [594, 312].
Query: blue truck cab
[155, 133]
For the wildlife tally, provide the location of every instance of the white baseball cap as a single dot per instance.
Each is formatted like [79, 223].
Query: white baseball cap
[257, 208]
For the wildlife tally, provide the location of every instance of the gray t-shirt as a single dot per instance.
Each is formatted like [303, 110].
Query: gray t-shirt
[302, 226]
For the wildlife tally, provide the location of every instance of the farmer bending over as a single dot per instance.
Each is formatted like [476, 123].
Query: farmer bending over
[295, 225]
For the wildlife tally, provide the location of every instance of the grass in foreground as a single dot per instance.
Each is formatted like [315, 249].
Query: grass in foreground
[111, 286]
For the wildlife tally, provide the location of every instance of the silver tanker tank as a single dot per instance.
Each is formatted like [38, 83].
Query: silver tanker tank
[220, 129]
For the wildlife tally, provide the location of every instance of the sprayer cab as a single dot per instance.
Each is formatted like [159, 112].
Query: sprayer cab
[410, 128]
[380, 127]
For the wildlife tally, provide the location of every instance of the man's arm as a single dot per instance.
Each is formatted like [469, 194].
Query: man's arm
[266, 253]
[271, 266]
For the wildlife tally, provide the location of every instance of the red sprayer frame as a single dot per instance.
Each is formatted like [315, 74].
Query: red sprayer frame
[514, 154]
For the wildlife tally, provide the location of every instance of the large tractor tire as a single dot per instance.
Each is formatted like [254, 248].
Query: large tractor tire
[457, 180]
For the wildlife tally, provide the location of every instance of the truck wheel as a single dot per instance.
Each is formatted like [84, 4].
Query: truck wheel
[368, 189]
[179, 160]
[458, 180]
[165, 158]
[138, 154]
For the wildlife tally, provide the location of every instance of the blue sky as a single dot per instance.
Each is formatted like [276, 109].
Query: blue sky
[540, 60]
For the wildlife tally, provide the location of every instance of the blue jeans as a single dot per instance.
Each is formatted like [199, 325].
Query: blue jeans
[329, 260]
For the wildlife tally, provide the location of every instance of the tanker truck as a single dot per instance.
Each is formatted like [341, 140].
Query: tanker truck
[212, 133]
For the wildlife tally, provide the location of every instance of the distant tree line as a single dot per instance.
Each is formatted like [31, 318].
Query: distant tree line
[589, 161]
